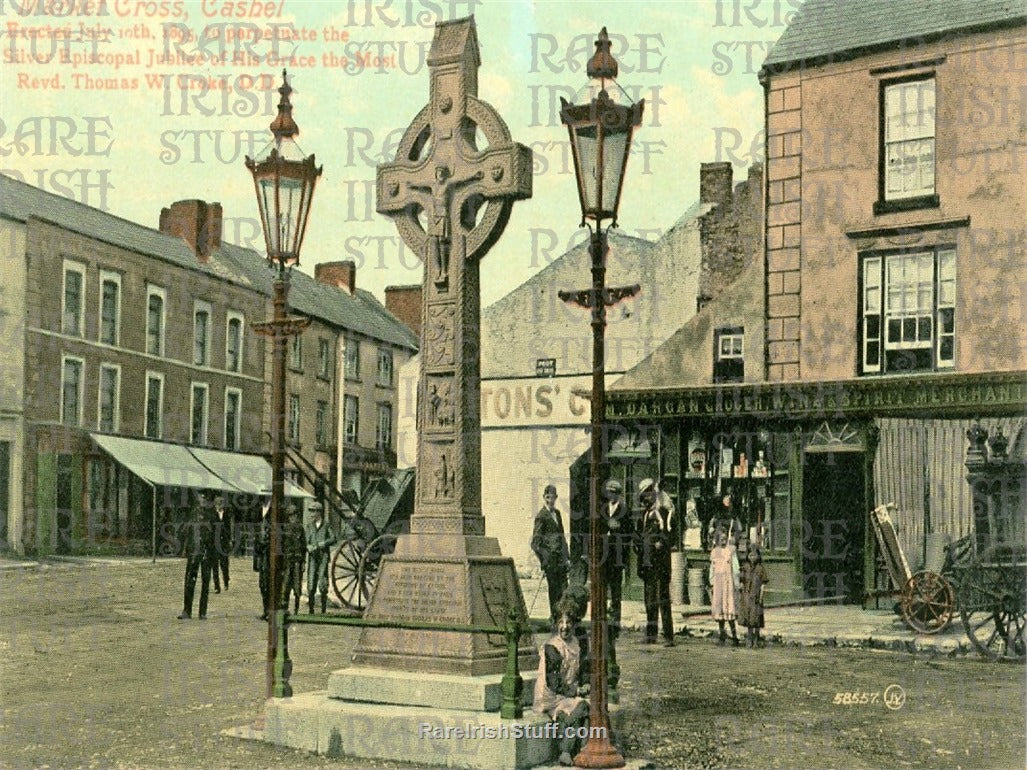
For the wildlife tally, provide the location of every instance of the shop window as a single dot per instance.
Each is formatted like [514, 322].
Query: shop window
[909, 306]
[728, 352]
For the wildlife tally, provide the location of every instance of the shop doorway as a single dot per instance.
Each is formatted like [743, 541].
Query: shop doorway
[834, 525]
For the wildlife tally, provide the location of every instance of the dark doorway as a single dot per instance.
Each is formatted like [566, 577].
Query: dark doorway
[834, 523]
[65, 499]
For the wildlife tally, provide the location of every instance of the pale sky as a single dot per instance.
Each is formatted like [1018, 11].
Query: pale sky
[110, 133]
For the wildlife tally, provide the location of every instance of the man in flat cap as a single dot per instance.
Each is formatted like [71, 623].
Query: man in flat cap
[616, 532]
[652, 547]
[320, 540]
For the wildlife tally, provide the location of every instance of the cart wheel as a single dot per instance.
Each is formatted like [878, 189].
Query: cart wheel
[346, 580]
[927, 602]
[993, 603]
[371, 559]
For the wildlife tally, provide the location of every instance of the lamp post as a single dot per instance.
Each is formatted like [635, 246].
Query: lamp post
[284, 180]
[600, 135]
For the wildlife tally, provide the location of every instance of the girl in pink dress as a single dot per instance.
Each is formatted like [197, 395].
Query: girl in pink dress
[724, 581]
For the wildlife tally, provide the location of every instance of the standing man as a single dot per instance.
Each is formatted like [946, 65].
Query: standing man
[262, 556]
[652, 547]
[320, 540]
[222, 541]
[616, 532]
[550, 546]
[199, 549]
[294, 546]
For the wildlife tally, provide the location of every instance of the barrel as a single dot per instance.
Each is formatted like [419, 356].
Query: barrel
[696, 593]
[677, 577]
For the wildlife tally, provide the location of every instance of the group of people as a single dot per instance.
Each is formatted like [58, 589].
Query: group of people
[210, 540]
[737, 589]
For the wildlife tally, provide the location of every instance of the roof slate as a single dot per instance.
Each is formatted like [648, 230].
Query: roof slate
[825, 27]
[360, 312]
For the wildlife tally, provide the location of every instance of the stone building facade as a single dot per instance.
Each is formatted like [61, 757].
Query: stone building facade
[886, 313]
[113, 329]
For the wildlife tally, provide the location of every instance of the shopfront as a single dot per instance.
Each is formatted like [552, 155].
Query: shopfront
[800, 465]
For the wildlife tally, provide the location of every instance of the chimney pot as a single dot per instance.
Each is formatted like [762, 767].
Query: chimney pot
[715, 180]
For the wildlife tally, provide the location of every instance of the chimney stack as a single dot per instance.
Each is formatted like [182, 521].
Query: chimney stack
[715, 181]
[342, 275]
[198, 223]
[404, 302]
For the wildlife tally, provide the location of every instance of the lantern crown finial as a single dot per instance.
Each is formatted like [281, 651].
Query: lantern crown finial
[283, 126]
[602, 64]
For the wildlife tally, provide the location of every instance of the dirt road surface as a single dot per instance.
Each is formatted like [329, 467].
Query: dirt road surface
[96, 672]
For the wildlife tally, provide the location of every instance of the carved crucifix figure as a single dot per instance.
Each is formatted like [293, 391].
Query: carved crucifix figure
[450, 200]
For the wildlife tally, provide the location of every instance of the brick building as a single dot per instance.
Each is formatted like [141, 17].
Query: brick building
[130, 371]
[843, 370]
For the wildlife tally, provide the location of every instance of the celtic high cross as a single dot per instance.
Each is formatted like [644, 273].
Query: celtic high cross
[450, 191]
[464, 195]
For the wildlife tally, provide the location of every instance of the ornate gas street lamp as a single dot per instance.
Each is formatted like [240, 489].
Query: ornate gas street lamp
[284, 181]
[600, 133]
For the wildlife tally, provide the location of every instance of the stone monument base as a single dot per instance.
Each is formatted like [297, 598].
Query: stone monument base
[429, 731]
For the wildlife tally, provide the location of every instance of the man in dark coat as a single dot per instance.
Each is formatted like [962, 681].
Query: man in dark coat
[223, 543]
[550, 546]
[198, 532]
[616, 533]
[262, 556]
[652, 548]
[294, 546]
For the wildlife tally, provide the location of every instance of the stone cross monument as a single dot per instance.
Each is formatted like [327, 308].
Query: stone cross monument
[450, 199]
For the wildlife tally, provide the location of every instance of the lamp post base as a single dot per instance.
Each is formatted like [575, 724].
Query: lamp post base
[599, 752]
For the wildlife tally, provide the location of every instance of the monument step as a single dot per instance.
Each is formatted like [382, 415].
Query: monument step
[420, 735]
[444, 691]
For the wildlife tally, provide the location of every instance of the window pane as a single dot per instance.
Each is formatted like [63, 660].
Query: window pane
[72, 302]
[924, 329]
[946, 349]
[231, 420]
[71, 387]
[947, 320]
[108, 398]
[873, 327]
[200, 321]
[894, 330]
[154, 321]
[109, 313]
[153, 399]
[198, 434]
[873, 356]
[234, 333]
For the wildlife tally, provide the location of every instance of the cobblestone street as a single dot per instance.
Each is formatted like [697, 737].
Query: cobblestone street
[97, 672]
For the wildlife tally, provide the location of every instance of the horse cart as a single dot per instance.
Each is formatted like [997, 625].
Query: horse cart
[984, 574]
[381, 515]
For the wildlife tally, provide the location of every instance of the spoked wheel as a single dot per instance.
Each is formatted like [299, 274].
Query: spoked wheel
[371, 559]
[993, 603]
[346, 580]
[927, 602]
